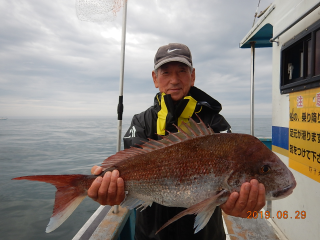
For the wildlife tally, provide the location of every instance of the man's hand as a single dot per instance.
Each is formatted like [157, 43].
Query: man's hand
[251, 198]
[107, 190]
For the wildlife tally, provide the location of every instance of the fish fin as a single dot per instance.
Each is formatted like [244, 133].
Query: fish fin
[68, 196]
[132, 202]
[60, 216]
[195, 129]
[144, 205]
[187, 131]
[203, 210]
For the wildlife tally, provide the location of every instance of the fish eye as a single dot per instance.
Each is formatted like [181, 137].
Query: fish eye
[264, 169]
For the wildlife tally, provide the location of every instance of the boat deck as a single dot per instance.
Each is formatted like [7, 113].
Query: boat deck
[251, 229]
[106, 225]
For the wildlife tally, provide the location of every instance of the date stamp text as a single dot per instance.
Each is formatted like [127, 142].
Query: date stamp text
[279, 215]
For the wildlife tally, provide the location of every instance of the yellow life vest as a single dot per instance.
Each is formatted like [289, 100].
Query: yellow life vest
[184, 116]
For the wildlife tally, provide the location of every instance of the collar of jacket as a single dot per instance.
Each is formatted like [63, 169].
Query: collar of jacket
[203, 99]
[170, 113]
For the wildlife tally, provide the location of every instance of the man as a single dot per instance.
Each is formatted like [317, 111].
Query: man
[178, 99]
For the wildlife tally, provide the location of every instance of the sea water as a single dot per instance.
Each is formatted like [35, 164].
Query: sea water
[59, 146]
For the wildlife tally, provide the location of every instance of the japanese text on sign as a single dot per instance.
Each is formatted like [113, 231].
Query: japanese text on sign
[304, 133]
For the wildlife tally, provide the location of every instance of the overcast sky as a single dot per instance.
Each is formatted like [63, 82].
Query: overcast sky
[54, 65]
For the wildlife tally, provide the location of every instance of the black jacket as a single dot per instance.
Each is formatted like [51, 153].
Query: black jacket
[144, 126]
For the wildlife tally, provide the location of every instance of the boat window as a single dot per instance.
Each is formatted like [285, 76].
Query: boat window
[293, 63]
[300, 61]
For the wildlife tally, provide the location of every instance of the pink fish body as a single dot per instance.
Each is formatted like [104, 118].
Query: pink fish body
[194, 168]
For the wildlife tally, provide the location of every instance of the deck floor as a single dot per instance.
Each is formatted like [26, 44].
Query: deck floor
[249, 229]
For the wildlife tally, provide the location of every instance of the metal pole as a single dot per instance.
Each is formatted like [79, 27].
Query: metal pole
[256, 13]
[252, 89]
[269, 204]
[120, 104]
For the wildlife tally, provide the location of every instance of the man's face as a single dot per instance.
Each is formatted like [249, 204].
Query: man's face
[174, 78]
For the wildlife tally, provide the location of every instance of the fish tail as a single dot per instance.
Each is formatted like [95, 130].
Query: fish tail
[71, 190]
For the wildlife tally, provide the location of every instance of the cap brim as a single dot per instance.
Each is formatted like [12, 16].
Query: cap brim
[174, 59]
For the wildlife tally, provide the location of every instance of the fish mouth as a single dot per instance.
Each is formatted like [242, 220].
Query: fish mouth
[284, 192]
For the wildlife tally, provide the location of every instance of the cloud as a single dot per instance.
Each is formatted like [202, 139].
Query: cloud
[53, 64]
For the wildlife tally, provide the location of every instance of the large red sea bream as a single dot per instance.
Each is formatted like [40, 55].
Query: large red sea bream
[194, 168]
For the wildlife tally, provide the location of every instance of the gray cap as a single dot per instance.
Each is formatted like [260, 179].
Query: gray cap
[173, 52]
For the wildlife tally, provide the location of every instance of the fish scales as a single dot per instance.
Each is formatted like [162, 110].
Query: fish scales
[182, 173]
[190, 156]
[193, 168]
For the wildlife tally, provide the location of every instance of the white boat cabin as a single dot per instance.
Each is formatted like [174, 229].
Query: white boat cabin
[291, 28]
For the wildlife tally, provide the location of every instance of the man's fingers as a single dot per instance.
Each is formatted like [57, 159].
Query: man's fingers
[112, 190]
[96, 170]
[120, 191]
[103, 190]
[243, 197]
[236, 204]
[107, 190]
[93, 190]
[253, 196]
[228, 206]
[261, 197]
